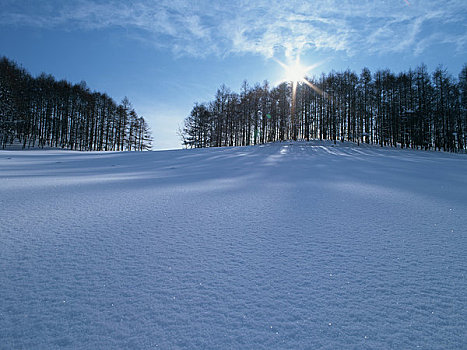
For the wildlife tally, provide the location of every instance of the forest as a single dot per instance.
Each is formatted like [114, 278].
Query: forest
[412, 109]
[39, 112]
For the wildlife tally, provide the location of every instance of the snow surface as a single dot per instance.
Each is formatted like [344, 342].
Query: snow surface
[280, 246]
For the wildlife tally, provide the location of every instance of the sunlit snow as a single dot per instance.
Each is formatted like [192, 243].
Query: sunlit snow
[280, 246]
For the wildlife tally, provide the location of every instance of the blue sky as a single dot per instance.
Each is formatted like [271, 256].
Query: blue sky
[166, 55]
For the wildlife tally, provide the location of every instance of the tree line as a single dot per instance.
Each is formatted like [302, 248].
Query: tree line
[44, 112]
[412, 109]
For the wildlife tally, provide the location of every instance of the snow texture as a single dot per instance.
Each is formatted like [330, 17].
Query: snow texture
[279, 246]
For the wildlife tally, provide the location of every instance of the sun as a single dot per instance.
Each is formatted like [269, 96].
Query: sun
[295, 72]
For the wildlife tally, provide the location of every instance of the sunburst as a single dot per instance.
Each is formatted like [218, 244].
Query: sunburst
[296, 73]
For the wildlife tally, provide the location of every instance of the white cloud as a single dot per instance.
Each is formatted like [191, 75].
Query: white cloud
[199, 28]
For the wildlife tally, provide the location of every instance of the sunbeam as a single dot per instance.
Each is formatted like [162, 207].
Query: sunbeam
[295, 73]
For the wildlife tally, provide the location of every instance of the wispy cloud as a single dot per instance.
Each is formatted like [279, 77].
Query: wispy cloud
[200, 28]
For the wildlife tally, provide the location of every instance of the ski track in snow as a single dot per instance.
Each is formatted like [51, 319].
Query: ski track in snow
[279, 246]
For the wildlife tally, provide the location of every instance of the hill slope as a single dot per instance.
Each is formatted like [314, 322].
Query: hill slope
[304, 245]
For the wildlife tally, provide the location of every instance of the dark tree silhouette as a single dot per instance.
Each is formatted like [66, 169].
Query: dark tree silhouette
[44, 112]
[411, 109]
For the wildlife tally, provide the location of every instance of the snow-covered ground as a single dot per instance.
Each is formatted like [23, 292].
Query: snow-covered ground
[281, 246]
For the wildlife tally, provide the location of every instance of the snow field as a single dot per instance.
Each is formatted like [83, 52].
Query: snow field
[281, 246]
